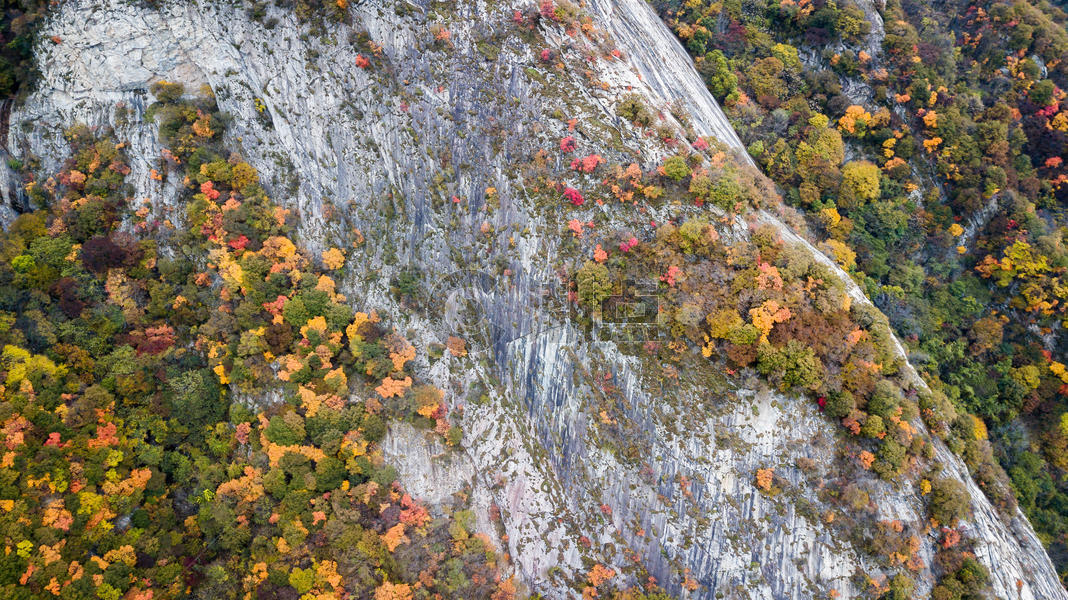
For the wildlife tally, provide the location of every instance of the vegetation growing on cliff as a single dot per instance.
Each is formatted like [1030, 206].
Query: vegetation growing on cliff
[133, 468]
[950, 204]
[767, 304]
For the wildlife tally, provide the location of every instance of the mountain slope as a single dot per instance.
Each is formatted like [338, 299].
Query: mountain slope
[393, 162]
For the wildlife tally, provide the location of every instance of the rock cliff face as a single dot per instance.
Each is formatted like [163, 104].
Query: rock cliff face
[378, 154]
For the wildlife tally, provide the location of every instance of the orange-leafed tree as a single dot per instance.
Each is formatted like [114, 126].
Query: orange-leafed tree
[393, 591]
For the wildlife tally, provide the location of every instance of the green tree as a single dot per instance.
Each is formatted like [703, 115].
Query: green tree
[949, 500]
[1041, 93]
[884, 399]
[793, 365]
[717, 73]
[852, 24]
[196, 398]
[285, 430]
[594, 284]
[839, 404]
[873, 427]
[632, 108]
[676, 168]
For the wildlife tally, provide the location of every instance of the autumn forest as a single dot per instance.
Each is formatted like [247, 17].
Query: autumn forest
[197, 400]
